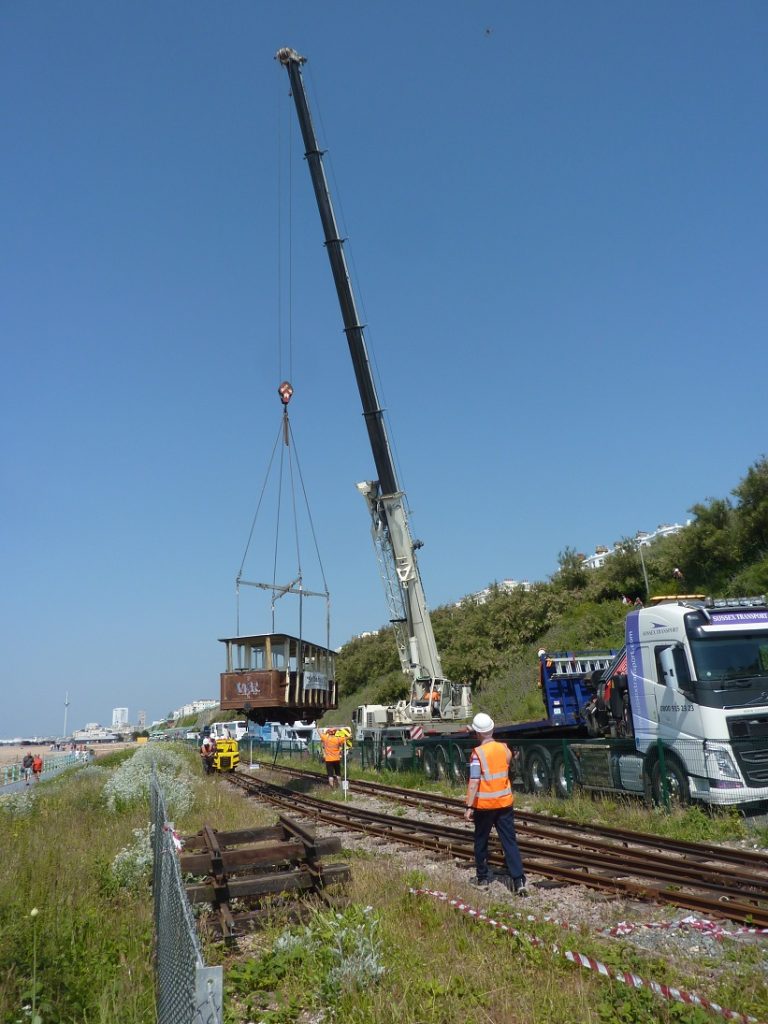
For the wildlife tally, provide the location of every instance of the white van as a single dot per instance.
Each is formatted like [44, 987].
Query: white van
[285, 735]
[229, 730]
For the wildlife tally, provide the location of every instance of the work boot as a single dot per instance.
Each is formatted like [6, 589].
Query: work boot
[519, 887]
[480, 883]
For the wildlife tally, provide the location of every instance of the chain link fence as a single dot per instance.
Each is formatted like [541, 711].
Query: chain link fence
[188, 992]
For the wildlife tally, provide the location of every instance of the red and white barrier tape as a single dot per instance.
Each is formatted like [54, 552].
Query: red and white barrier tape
[624, 928]
[178, 842]
[633, 980]
[699, 924]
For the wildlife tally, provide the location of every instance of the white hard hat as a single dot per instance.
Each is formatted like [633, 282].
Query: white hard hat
[482, 723]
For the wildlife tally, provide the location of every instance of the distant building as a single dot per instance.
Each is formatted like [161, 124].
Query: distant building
[119, 718]
[94, 733]
[642, 538]
[194, 708]
[504, 587]
[141, 720]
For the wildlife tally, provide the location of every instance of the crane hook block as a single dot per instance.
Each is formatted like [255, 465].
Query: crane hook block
[285, 391]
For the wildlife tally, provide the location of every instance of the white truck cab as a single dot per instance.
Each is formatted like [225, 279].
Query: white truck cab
[697, 679]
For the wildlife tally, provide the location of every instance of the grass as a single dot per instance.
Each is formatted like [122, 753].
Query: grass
[439, 967]
[388, 957]
[94, 936]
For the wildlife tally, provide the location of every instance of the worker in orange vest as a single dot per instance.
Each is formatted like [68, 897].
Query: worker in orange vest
[332, 748]
[489, 805]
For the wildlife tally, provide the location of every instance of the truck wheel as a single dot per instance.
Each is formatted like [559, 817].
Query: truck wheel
[458, 764]
[677, 783]
[441, 764]
[430, 765]
[538, 772]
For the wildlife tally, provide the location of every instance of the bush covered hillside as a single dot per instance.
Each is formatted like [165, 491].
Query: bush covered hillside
[723, 552]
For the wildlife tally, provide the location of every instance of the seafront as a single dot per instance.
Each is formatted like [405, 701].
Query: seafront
[10, 755]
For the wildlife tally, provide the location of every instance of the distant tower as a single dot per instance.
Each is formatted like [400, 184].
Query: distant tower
[142, 719]
[119, 718]
[66, 708]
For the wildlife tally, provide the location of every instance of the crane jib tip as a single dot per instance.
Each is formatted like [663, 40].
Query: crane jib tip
[287, 56]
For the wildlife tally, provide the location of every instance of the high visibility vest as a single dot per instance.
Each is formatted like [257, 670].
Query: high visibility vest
[331, 746]
[495, 790]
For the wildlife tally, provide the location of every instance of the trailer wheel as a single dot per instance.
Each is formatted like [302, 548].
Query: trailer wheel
[367, 755]
[538, 772]
[430, 764]
[560, 777]
[677, 783]
[441, 764]
[457, 764]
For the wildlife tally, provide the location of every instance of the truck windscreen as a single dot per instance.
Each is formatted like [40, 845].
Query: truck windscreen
[731, 671]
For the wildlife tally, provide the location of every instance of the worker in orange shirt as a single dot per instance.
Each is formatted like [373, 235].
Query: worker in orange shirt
[432, 697]
[333, 746]
[489, 805]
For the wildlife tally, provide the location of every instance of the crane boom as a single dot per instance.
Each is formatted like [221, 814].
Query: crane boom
[385, 498]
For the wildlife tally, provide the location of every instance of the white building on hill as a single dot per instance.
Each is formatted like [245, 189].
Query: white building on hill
[194, 708]
[642, 538]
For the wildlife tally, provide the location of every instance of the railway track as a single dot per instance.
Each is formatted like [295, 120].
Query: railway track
[704, 878]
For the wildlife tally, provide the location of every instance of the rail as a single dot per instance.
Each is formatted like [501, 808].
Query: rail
[702, 877]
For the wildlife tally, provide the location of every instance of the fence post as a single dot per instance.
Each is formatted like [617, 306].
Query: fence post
[209, 994]
[663, 774]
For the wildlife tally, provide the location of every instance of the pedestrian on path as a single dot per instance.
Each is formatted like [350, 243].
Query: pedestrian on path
[489, 805]
[37, 767]
[26, 766]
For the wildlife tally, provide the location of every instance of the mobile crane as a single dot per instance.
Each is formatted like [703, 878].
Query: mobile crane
[433, 699]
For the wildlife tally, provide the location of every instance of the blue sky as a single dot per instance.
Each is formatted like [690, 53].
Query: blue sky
[557, 223]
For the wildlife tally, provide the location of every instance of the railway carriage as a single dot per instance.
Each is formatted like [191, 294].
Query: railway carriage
[276, 677]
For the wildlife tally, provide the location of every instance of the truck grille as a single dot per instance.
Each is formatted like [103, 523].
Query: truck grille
[749, 739]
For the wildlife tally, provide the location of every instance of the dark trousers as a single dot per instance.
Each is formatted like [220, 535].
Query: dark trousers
[503, 819]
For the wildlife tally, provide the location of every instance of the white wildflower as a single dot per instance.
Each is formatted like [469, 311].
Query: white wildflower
[132, 866]
[130, 782]
[19, 804]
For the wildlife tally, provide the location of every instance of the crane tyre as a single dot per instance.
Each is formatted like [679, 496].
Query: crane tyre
[430, 764]
[441, 764]
[677, 782]
[538, 772]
